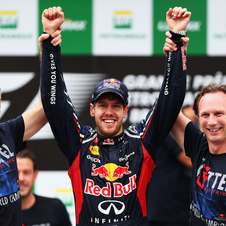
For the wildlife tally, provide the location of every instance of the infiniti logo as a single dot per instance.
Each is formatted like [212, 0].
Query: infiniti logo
[117, 206]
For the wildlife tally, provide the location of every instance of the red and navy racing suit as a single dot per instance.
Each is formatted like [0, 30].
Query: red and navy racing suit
[109, 175]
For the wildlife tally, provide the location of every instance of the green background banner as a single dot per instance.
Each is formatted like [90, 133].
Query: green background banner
[77, 28]
[196, 27]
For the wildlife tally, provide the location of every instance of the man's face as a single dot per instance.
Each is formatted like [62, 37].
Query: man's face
[27, 175]
[109, 112]
[212, 118]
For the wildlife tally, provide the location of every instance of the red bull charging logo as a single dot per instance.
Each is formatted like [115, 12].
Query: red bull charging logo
[110, 171]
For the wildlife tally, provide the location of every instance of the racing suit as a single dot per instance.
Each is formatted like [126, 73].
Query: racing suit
[109, 175]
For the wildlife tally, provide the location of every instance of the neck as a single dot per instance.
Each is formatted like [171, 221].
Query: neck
[217, 148]
[28, 201]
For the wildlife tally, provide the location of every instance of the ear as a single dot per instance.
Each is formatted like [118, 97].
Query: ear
[35, 175]
[125, 111]
[92, 111]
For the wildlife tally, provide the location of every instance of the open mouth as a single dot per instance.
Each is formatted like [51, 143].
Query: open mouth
[109, 121]
[214, 130]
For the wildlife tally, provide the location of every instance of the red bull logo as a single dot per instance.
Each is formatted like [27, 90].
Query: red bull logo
[120, 171]
[111, 82]
[110, 171]
[109, 141]
[116, 190]
[222, 216]
[102, 171]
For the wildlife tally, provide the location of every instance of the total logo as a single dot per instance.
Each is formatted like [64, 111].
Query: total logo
[110, 171]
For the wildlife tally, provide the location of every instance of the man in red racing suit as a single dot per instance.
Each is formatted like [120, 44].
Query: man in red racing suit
[109, 175]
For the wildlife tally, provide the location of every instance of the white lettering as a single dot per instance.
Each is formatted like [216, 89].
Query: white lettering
[3, 201]
[222, 182]
[93, 159]
[4, 151]
[14, 197]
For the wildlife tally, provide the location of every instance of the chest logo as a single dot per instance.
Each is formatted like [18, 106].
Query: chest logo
[110, 171]
[108, 141]
[95, 150]
[106, 206]
[204, 176]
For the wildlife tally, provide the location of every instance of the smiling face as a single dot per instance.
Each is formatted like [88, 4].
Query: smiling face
[27, 176]
[109, 113]
[212, 118]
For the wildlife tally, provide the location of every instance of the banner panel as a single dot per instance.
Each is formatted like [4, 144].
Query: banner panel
[122, 27]
[196, 27]
[216, 27]
[18, 27]
[77, 27]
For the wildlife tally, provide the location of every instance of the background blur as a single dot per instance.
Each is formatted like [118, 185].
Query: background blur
[114, 38]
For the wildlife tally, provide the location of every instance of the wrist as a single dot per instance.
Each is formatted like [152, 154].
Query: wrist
[48, 31]
[183, 33]
[175, 36]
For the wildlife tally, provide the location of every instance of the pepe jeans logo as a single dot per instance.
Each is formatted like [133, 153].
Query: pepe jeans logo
[106, 206]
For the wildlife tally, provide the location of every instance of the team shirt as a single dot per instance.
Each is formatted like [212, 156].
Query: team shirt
[208, 195]
[11, 142]
[46, 212]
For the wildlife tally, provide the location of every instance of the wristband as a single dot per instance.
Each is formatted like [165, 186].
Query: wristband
[182, 33]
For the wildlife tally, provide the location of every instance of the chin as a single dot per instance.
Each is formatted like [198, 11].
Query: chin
[108, 134]
[22, 195]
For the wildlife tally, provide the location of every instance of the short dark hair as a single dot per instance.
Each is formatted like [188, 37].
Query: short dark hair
[26, 153]
[211, 88]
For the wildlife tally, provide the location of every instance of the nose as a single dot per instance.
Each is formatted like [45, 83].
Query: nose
[109, 111]
[20, 174]
[212, 120]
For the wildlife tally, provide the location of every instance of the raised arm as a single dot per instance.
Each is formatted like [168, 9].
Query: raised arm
[34, 120]
[173, 90]
[178, 129]
[57, 104]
